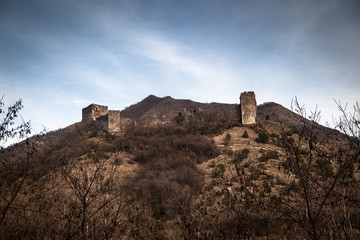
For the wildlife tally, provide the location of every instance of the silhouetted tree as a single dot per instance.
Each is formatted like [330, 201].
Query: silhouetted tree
[9, 129]
[324, 189]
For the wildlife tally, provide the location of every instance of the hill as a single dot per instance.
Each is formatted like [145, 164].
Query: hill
[168, 107]
[153, 106]
[200, 175]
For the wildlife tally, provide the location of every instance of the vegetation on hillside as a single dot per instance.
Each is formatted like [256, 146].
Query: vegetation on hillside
[198, 176]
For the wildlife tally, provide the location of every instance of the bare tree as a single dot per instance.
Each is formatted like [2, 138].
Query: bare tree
[323, 186]
[9, 129]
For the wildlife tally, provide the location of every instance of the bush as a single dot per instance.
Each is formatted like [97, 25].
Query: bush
[324, 167]
[274, 135]
[219, 170]
[229, 152]
[168, 158]
[245, 134]
[303, 151]
[262, 166]
[256, 175]
[280, 181]
[227, 137]
[272, 154]
[290, 140]
[147, 143]
[262, 138]
[296, 131]
[240, 156]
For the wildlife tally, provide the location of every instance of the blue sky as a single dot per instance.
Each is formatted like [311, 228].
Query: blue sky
[60, 56]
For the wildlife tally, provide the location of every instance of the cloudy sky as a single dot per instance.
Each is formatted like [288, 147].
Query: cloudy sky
[60, 56]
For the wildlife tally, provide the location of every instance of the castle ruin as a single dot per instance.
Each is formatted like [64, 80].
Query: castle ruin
[248, 108]
[96, 112]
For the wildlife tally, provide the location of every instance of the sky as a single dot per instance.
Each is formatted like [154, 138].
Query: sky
[59, 56]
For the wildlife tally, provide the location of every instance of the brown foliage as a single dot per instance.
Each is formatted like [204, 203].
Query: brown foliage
[168, 157]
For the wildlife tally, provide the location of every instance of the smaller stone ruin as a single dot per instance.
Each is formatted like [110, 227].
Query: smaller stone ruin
[110, 118]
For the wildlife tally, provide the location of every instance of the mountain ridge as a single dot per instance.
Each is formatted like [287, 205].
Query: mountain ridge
[167, 106]
[170, 107]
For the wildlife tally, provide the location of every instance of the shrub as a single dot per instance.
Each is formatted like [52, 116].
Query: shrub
[218, 193]
[245, 151]
[147, 143]
[290, 140]
[245, 134]
[229, 152]
[118, 161]
[255, 175]
[324, 167]
[247, 164]
[296, 131]
[227, 137]
[274, 135]
[219, 170]
[272, 154]
[179, 118]
[167, 156]
[240, 156]
[262, 138]
[280, 181]
[262, 166]
[303, 151]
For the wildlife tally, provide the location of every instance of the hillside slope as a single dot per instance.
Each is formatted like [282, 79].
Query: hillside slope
[153, 106]
[201, 175]
[168, 107]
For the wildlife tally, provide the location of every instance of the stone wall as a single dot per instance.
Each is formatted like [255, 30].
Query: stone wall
[113, 121]
[248, 108]
[110, 118]
[93, 111]
[87, 113]
[98, 110]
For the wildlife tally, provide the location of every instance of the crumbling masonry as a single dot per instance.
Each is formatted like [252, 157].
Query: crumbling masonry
[110, 118]
[248, 108]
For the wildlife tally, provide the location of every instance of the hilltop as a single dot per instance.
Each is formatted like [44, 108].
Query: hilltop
[195, 175]
[168, 106]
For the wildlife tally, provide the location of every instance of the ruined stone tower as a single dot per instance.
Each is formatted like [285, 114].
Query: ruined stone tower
[93, 111]
[248, 108]
[96, 112]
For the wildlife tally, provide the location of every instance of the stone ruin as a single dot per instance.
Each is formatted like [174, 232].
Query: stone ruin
[248, 108]
[110, 118]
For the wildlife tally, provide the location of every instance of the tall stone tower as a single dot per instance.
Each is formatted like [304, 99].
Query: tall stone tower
[248, 108]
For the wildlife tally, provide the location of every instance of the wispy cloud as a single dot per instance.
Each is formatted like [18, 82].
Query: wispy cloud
[117, 52]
